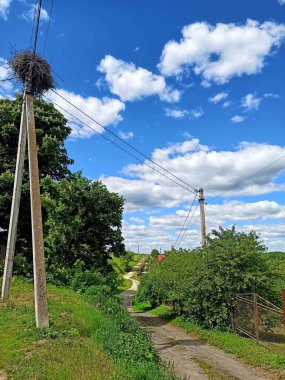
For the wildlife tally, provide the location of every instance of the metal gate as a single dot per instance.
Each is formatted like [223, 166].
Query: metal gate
[258, 318]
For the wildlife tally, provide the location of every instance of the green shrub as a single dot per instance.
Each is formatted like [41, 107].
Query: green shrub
[203, 284]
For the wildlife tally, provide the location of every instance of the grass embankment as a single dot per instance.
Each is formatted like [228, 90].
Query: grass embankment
[251, 352]
[81, 342]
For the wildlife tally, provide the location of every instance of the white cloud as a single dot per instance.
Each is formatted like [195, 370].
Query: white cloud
[196, 113]
[271, 95]
[197, 164]
[28, 15]
[132, 83]
[226, 104]
[237, 119]
[250, 102]
[6, 87]
[4, 8]
[126, 135]
[218, 97]
[176, 113]
[265, 217]
[106, 111]
[136, 220]
[221, 52]
[281, 2]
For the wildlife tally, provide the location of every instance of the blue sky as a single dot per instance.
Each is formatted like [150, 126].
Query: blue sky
[196, 85]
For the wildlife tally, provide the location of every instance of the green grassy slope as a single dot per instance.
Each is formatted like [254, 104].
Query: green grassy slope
[78, 344]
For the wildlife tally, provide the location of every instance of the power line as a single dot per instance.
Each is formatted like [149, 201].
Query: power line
[37, 25]
[33, 27]
[118, 146]
[192, 218]
[185, 220]
[245, 179]
[50, 14]
[124, 141]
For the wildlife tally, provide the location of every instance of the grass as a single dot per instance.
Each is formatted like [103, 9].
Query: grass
[125, 285]
[248, 350]
[77, 345]
[29, 353]
[211, 373]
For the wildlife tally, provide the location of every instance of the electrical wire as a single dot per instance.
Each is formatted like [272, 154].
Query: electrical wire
[124, 142]
[245, 179]
[33, 27]
[185, 220]
[50, 14]
[187, 227]
[37, 26]
[117, 145]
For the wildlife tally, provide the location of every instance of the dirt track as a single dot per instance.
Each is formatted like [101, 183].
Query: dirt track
[186, 354]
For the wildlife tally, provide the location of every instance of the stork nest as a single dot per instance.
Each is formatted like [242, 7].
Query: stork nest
[33, 71]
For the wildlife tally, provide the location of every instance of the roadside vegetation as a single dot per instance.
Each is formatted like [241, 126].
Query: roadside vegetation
[91, 335]
[202, 285]
[196, 290]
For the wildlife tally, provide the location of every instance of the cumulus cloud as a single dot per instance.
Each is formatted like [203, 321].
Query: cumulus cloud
[6, 87]
[237, 119]
[126, 135]
[223, 51]
[176, 113]
[265, 217]
[4, 8]
[197, 164]
[218, 97]
[250, 102]
[106, 111]
[132, 83]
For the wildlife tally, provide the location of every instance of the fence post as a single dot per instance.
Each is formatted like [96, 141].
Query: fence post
[283, 304]
[233, 318]
[256, 316]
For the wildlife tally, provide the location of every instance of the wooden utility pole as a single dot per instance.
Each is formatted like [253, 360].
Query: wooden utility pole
[41, 308]
[12, 233]
[202, 216]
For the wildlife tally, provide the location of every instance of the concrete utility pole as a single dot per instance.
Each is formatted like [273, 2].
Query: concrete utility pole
[41, 308]
[202, 216]
[12, 233]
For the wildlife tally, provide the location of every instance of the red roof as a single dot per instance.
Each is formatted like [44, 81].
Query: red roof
[160, 258]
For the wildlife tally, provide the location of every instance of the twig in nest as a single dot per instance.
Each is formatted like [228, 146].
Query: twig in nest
[33, 71]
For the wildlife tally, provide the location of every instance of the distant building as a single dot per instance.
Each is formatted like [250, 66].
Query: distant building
[160, 257]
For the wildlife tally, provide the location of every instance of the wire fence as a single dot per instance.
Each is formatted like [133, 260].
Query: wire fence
[258, 318]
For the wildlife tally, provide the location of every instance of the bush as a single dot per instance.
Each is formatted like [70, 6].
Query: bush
[203, 284]
[231, 263]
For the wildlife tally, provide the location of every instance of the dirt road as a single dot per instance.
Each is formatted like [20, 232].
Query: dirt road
[189, 357]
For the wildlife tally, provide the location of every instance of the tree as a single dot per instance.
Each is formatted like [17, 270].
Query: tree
[51, 130]
[84, 223]
[233, 262]
[154, 253]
